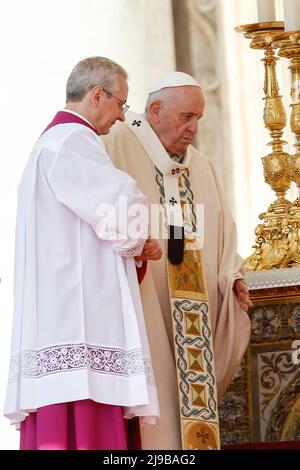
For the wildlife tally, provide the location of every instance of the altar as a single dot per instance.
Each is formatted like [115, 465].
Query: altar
[262, 404]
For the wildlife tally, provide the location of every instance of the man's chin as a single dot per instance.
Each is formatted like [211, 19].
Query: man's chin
[181, 149]
[105, 131]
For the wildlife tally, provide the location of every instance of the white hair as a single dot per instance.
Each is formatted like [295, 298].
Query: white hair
[91, 72]
[165, 96]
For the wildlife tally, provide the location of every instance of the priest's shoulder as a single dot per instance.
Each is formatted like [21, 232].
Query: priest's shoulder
[57, 135]
[64, 140]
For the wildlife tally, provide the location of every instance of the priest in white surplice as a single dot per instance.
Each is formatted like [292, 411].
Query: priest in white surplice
[80, 360]
[198, 288]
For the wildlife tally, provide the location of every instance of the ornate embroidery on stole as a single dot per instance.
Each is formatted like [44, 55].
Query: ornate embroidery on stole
[192, 334]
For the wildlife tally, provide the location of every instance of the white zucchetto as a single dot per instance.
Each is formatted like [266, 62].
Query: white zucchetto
[173, 79]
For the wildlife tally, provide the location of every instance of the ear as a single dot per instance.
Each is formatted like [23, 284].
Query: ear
[96, 95]
[154, 110]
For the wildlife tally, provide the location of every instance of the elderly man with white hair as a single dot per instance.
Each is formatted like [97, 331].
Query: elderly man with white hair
[195, 298]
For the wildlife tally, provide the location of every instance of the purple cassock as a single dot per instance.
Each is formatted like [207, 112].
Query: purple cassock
[81, 424]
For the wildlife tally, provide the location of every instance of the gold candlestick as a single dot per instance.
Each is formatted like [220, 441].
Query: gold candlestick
[289, 47]
[271, 246]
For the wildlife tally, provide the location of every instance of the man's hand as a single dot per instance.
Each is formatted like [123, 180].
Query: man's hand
[151, 251]
[242, 294]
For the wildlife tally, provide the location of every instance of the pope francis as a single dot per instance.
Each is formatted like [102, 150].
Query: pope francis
[195, 299]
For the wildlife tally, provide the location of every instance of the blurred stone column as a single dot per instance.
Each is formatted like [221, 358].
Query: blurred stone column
[147, 43]
[199, 53]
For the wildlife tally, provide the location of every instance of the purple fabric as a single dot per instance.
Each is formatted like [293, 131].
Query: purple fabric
[78, 425]
[63, 117]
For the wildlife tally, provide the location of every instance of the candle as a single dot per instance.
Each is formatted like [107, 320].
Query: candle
[266, 11]
[291, 15]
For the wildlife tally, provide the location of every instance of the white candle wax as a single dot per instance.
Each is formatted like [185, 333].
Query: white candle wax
[266, 11]
[291, 15]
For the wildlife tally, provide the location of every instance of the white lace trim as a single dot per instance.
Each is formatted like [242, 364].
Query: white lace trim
[273, 278]
[130, 252]
[70, 357]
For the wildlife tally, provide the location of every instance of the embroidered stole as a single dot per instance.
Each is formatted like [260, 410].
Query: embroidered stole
[188, 298]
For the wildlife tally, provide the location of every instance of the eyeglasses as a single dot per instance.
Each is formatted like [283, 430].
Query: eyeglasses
[125, 106]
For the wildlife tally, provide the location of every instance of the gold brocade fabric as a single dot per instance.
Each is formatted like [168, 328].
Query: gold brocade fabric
[188, 276]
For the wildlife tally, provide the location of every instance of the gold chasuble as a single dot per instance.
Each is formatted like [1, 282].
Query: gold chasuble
[188, 298]
[191, 305]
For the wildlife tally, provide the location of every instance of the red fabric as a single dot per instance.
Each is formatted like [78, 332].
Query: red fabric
[133, 434]
[79, 425]
[141, 272]
[63, 117]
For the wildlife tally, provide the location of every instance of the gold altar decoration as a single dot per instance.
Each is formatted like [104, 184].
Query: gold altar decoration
[277, 240]
[289, 47]
[262, 403]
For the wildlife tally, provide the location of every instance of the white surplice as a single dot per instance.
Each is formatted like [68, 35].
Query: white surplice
[78, 328]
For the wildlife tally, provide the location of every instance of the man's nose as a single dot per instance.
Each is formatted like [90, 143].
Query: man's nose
[193, 126]
[121, 116]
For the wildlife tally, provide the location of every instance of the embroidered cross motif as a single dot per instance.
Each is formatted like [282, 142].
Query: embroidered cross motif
[136, 123]
[177, 170]
[172, 201]
[203, 436]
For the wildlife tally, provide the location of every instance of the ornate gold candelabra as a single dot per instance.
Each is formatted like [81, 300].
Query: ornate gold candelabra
[289, 47]
[277, 237]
